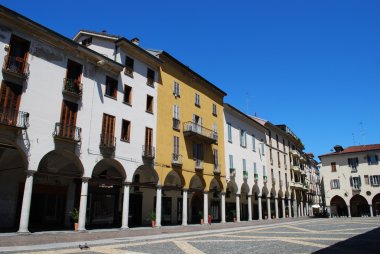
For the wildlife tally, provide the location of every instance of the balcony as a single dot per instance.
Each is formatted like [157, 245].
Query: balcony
[265, 179]
[245, 174]
[271, 161]
[256, 176]
[72, 88]
[217, 170]
[354, 169]
[296, 168]
[303, 172]
[199, 165]
[196, 130]
[232, 172]
[176, 124]
[14, 118]
[356, 187]
[177, 160]
[148, 152]
[302, 158]
[296, 185]
[295, 153]
[66, 132]
[16, 67]
[107, 143]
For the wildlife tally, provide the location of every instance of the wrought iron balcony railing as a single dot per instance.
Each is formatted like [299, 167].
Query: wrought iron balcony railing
[69, 132]
[14, 118]
[107, 142]
[148, 152]
[72, 87]
[199, 164]
[217, 169]
[177, 159]
[191, 128]
[16, 66]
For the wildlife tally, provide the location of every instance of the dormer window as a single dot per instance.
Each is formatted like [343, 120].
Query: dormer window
[150, 77]
[129, 66]
[87, 42]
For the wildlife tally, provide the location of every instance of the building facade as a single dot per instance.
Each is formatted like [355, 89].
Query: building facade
[350, 179]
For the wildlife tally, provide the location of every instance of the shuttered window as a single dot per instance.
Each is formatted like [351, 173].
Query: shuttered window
[108, 129]
[10, 96]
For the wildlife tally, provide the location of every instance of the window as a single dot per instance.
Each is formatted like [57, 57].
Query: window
[244, 165]
[334, 184]
[149, 104]
[216, 158]
[333, 167]
[255, 168]
[229, 130]
[372, 159]
[355, 182]
[125, 130]
[264, 172]
[271, 173]
[366, 179]
[243, 138]
[108, 130]
[176, 121]
[87, 42]
[72, 82]
[263, 148]
[127, 95]
[198, 151]
[176, 89]
[111, 87]
[197, 100]
[285, 161]
[278, 159]
[214, 109]
[129, 66]
[286, 178]
[253, 143]
[270, 156]
[176, 145]
[10, 96]
[150, 77]
[353, 162]
[375, 180]
[68, 119]
[277, 141]
[231, 159]
[148, 148]
[270, 137]
[283, 143]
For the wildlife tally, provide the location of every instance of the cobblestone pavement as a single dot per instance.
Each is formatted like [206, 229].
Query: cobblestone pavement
[357, 235]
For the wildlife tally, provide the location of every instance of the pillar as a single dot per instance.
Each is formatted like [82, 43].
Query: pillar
[370, 210]
[125, 216]
[259, 208]
[290, 208]
[349, 211]
[283, 207]
[268, 209]
[83, 204]
[295, 214]
[184, 207]
[276, 207]
[26, 200]
[329, 211]
[223, 205]
[205, 207]
[237, 207]
[301, 209]
[158, 205]
[249, 207]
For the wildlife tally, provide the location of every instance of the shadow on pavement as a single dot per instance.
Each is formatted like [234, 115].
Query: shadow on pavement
[364, 243]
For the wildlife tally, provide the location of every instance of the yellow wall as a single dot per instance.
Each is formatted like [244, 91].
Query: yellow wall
[189, 85]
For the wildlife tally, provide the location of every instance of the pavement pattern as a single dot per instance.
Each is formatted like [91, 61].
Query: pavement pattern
[356, 235]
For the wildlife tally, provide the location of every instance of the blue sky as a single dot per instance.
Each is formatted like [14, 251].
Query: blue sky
[313, 65]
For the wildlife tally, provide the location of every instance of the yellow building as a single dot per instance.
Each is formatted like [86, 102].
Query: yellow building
[190, 144]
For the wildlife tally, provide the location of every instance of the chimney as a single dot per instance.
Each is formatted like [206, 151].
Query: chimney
[135, 41]
[338, 148]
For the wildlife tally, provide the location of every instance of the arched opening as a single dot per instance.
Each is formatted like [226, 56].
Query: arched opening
[197, 186]
[376, 205]
[244, 202]
[214, 199]
[104, 201]
[142, 198]
[273, 204]
[231, 200]
[279, 201]
[264, 203]
[56, 191]
[338, 207]
[287, 207]
[13, 163]
[255, 198]
[171, 211]
[359, 206]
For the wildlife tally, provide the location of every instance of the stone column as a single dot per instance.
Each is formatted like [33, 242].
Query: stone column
[283, 208]
[125, 216]
[26, 200]
[276, 207]
[237, 207]
[158, 205]
[290, 208]
[223, 205]
[295, 214]
[329, 211]
[268, 209]
[184, 207]
[205, 207]
[83, 204]
[259, 208]
[370, 210]
[249, 207]
[349, 211]
[301, 209]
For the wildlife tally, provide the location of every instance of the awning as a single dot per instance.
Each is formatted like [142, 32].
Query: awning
[315, 206]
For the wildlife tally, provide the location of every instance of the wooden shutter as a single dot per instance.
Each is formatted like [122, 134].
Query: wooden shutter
[148, 138]
[108, 129]
[68, 119]
[10, 95]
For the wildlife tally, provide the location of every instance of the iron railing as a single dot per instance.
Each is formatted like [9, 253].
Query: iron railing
[70, 132]
[217, 169]
[199, 129]
[107, 141]
[177, 159]
[14, 118]
[72, 86]
[16, 66]
[148, 152]
[198, 164]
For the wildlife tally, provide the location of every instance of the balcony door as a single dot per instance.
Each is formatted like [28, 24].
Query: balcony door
[68, 119]
[108, 130]
[73, 77]
[18, 54]
[198, 123]
[148, 141]
[10, 95]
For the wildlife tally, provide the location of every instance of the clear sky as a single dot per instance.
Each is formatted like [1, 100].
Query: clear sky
[313, 65]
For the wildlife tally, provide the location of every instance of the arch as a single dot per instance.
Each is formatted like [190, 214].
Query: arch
[244, 187]
[13, 154]
[376, 204]
[147, 175]
[197, 183]
[359, 206]
[338, 206]
[109, 169]
[174, 180]
[264, 191]
[255, 190]
[61, 162]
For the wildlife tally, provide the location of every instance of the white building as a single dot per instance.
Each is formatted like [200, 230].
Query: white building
[77, 128]
[351, 179]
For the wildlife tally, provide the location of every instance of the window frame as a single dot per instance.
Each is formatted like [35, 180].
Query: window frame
[129, 88]
[149, 106]
[128, 131]
[111, 82]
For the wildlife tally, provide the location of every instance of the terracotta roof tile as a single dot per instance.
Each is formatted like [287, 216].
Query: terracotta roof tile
[354, 149]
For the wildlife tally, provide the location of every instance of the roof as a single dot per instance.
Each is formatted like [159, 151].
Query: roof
[229, 106]
[60, 36]
[259, 120]
[157, 53]
[100, 34]
[354, 149]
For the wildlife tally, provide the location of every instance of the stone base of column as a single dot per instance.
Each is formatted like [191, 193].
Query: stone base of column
[26, 232]
[124, 228]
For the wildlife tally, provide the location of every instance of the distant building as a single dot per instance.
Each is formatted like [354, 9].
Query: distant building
[351, 179]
